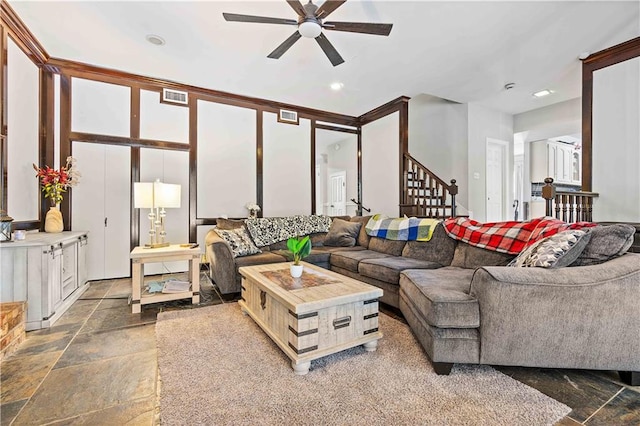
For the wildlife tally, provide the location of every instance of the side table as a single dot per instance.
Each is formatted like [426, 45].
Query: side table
[141, 255]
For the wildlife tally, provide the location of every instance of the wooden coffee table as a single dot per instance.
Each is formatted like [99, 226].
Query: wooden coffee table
[318, 314]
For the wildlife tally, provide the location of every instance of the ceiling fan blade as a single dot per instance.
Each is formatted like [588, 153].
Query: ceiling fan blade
[327, 7]
[359, 27]
[258, 19]
[297, 6]
[284, 46]
[329, 50]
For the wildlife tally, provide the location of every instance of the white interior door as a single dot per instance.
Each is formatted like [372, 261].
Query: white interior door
[338, 200]
[100, 205]
[496, 166]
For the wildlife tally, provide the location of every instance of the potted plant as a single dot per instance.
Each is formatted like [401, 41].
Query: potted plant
[300, 248]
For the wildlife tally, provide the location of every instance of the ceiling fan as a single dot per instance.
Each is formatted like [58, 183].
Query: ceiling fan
[310, 23]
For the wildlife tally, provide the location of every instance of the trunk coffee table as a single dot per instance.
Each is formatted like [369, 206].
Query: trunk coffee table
[318, 314]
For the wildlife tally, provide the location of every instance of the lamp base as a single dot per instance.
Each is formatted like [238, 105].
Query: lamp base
[157, 245]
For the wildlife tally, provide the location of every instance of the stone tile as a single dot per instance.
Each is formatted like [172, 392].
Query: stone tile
[20, 377]
[121, 287]
[78, 312]
[86, 388]
[97, 290]
[623, 410]
[51, 339]
[10, 410]
[110, 302]
[130, 414]
[580, 390]
[105, 344]
[106, 319]
[567, 421]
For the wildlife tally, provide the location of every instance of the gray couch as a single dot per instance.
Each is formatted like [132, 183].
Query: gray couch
[465, 306]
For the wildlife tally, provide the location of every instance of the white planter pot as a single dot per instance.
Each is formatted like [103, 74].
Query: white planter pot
[296, 270]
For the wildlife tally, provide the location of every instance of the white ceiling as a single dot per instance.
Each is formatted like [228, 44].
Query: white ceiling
[461, 51]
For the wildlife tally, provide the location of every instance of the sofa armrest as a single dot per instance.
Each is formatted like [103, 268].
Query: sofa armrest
[222, 267]
[580, 317]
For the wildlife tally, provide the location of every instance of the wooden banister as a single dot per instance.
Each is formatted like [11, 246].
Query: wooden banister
[569, 206]
[424, 193]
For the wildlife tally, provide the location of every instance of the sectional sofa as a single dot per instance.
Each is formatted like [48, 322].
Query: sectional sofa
[465, 305]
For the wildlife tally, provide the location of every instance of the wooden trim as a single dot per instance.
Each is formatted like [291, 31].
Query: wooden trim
[3, 119]
[383, 110]
[78, 69]
[259, 161]
[122, 140]
[65, 142]
[403, 138]
[313, 166]
[619, 53]
[360, 174]
[47, 126]
[21, 35]
[193, 168]
[134, 127]
[336, 129]
[27, 225]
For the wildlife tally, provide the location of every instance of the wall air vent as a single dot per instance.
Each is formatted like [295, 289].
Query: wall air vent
[175, 97]
[288, 116]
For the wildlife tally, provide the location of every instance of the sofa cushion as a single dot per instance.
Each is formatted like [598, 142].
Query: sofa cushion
[607, 242]
[388, 269]
[471, 257]
[342, 233]
[439, 248]
[391, 247]
[317, 239]
[349, 259]
[258, 259]
[363, 238]
[316, 256]
[442, 296]
[239, 241]
[226, 224]
[556, 251]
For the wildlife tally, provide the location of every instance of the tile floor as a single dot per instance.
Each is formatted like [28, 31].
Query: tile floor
[98, 365]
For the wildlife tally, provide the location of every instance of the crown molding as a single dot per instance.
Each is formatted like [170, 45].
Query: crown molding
[21, 35]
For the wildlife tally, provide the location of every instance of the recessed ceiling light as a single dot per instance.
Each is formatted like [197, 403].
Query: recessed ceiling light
[336, 86]
[543, 93]
[509, 86]
[154, 39]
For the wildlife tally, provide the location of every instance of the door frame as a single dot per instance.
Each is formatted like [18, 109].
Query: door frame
[504, 187]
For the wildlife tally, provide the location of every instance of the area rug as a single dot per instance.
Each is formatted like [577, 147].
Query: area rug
[218, 367]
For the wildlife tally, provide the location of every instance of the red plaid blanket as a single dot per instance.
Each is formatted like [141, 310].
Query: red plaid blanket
[507, 237]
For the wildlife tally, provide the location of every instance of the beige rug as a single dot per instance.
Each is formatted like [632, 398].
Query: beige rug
[217, 367]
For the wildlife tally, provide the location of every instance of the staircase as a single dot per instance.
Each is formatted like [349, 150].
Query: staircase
[425, 194]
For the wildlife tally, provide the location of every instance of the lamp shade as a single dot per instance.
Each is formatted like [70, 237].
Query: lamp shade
[143, 195]
[167, 195]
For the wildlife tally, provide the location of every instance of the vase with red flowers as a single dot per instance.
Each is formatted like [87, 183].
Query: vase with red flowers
[54, 184]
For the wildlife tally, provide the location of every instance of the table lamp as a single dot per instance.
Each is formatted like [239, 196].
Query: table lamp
[157, 197]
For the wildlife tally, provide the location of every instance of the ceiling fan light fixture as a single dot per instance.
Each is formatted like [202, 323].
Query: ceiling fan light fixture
[309, 29]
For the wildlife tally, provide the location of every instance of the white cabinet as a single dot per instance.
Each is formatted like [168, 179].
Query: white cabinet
[46, 270]
[101, 205]
[558, 160]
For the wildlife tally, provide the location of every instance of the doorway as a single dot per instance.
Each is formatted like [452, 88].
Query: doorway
[496, 171]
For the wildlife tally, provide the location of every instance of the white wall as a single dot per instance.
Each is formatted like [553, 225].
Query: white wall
[563, 118]
[345, 158]
[380, 163]
[616, 146]
[438, 138]
[486, 123]
[162, 121]
[286, 171]
[226, 159]
[22, 138]
[100, 108]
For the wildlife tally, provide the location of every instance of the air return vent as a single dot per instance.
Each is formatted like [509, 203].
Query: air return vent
[175, 96]
[288, 116]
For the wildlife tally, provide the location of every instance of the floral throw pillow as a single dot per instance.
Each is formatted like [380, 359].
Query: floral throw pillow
[555, 251]
[239, 241]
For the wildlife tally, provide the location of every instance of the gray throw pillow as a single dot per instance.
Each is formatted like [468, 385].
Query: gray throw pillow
[607, 242]
[556, 251]
[239, 241]
[342, 233]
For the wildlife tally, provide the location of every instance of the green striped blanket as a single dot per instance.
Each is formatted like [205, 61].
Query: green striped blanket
[401, 229]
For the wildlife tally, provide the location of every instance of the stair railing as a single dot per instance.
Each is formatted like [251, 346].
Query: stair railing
[568, 206]
[424, 193]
